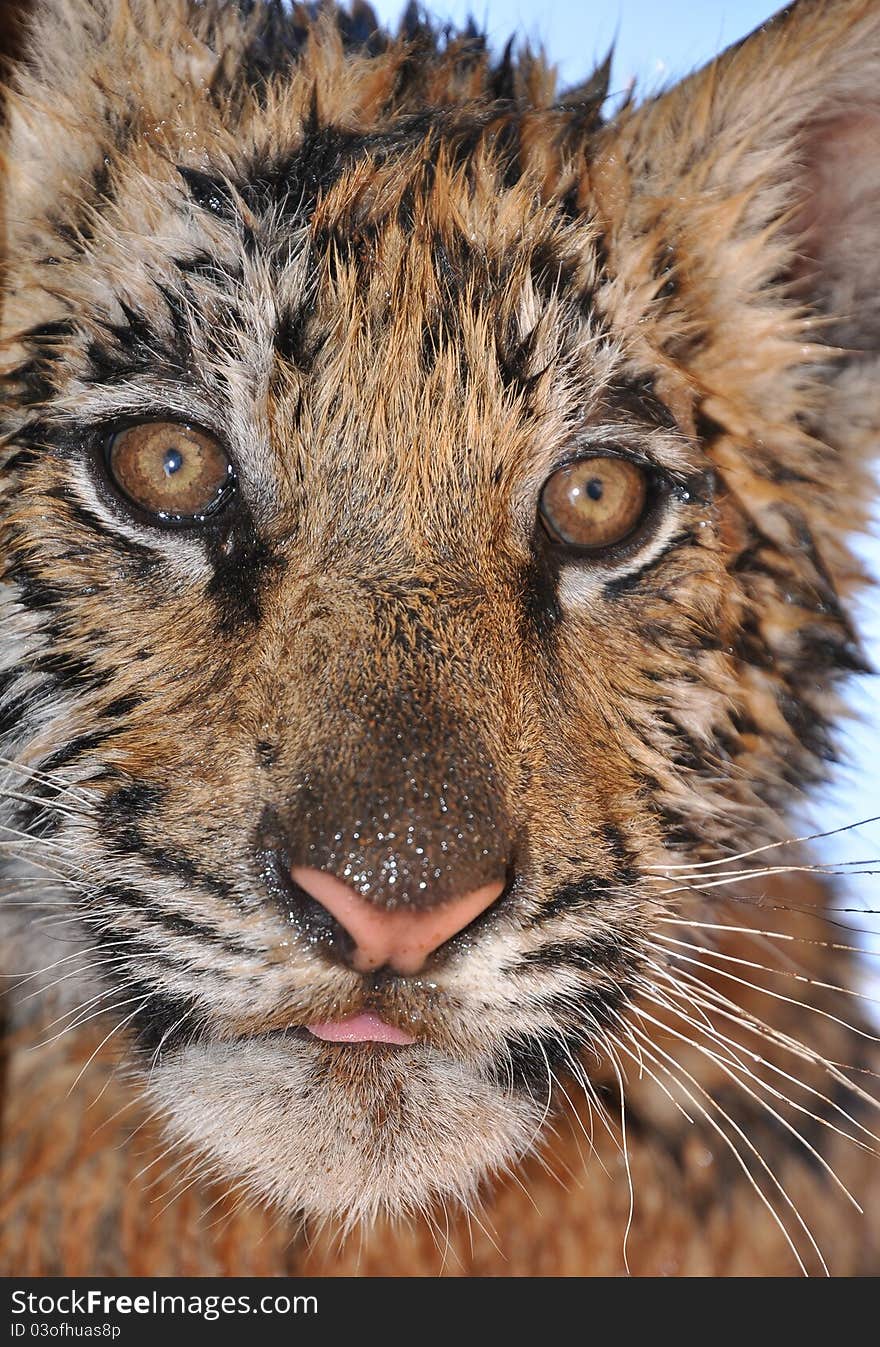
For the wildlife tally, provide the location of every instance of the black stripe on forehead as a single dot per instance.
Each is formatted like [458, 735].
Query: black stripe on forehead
[159, 344]
[637, 396]
[210, 193]
[290, 184]
[294, 183]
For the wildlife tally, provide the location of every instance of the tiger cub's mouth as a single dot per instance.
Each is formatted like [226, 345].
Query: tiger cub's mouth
[363, 1028]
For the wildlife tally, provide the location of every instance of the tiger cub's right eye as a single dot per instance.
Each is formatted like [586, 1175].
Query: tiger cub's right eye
[176, 472]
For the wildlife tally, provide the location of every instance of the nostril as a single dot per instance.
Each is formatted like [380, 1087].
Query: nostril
[309, 916]
[403, 937]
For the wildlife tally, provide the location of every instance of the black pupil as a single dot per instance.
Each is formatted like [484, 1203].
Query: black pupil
[172, 462]
[594, 488]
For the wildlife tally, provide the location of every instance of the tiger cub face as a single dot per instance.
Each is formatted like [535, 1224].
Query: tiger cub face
[421, 526]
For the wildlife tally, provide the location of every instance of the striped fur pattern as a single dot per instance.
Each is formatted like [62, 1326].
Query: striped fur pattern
[402, 282]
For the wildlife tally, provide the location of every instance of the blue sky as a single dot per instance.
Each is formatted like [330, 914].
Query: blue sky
[654, 39]
[657, 41]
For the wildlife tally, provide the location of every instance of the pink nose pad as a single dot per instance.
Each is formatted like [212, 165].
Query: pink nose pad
[402, 937]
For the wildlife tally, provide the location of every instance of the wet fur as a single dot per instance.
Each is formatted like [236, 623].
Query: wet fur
[404, 282]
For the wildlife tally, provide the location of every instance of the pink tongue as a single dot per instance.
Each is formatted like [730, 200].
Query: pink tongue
[365, 1028]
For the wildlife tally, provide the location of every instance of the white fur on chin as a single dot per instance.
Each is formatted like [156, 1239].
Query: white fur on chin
[344, 1134]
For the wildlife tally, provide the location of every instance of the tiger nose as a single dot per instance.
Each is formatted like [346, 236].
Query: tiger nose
[401, 938]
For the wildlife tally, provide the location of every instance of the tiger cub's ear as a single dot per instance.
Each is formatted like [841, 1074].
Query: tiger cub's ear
[754, 187]
[91, 77]
[90, 89]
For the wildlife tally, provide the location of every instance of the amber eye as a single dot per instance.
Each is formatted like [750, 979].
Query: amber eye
[594, 503]
[174, 471]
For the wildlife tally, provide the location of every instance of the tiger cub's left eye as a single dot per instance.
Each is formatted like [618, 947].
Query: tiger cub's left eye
[174, 471]
[594, 503]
